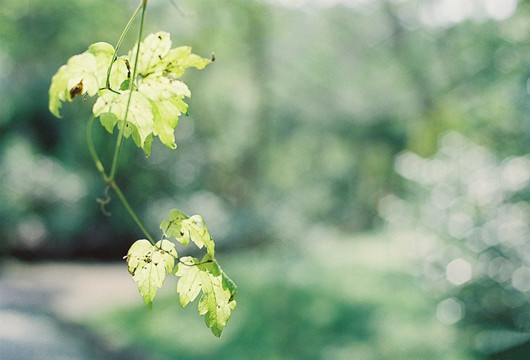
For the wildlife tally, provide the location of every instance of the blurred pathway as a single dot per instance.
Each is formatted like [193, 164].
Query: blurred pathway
[40, 306]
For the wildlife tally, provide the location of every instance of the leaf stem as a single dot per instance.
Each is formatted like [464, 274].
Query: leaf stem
[111, 183]
[197, 264]
[116, 158]
[92, 149]
[129, 209]
[120, 40]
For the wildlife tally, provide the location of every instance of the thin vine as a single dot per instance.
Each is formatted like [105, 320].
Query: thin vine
[119, 140]
[142, 111]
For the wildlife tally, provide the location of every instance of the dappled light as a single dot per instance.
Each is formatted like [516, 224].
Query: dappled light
[470, 202]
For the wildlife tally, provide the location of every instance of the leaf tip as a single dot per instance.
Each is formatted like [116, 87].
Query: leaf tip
[148, 303]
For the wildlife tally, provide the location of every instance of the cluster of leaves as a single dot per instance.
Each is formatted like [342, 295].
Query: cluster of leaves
[141, 94]
[149, 264]
[156, 102]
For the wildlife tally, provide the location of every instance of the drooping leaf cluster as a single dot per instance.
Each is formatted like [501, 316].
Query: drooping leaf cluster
[149, 264]
[141, 94]
[156, 103]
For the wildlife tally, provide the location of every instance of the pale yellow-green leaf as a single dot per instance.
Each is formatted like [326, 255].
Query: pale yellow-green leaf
[216, 301]
[84, 74]
[179, 59]
[160, 88]
[136, 253]
[180, 104]
[184, 229]
[140, 112]
[149, 264]
[215, 305]
[189, 284]
[103, 53]
[152, 50]
[197, 231]
[57, 91]
[157, 100]
[169, 253]
[166, 116]
[173, 226]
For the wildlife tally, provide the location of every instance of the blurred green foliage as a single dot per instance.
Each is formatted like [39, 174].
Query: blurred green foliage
[468, 229]
[301, 121]
[298, 121]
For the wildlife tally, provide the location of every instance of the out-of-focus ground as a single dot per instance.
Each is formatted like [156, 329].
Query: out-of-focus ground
[325, 299]
[41, 306]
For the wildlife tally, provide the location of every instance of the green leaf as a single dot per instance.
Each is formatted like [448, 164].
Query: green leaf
[166, 116]
[196, 230]
[125, 84]
[159, 66]
[183, 229]
[173, 226]
[140, 112]
[179, 59]
[215, 305]
[156, 56]
[157, 100]
[57, 91]
[230, 286]
[108, 120]
[152, 50]
[147, 145]
[157, 87]
[216, 302]
[85, 73]
[189, 284]
[149, 264]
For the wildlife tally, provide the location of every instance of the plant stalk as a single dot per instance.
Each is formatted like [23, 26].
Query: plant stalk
[109, 179]
[120, 40]
[116, 158]
[129, 209]
[111, 183]
[92, 148]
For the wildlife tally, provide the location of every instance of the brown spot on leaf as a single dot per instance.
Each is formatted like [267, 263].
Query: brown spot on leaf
[128, 68]
[76, 90]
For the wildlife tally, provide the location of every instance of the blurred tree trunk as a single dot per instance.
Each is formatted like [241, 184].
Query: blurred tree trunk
[254, 164]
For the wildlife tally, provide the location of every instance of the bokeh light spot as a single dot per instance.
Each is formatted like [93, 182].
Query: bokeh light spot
[450, 311]
[458, 271]
[521, 278]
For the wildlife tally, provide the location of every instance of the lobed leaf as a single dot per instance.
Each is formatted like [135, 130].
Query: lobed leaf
[179, 59]
[183, 229]
[83, 74]
[173, 226]
[152, 50]
[189, 284]
[157, 99]
[166, 116]
[140, 121]
[157, 87]
[230, 285]
[217, 299]
[196, 230]
[149, 264]
[157, 57]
